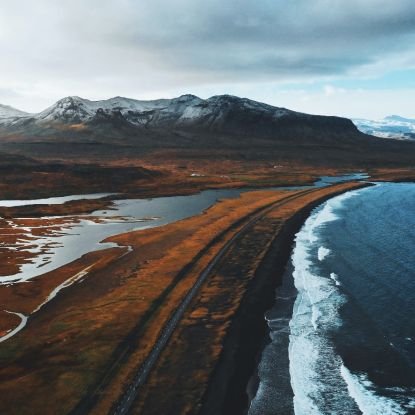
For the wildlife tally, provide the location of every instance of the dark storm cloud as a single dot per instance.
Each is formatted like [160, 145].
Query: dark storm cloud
[265, 37]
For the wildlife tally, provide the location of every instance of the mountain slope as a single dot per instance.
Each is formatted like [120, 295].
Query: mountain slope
[393, 126]
[9, 112]
[188, 127]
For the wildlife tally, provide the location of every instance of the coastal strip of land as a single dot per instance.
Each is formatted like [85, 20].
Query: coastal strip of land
[212, 354]
[86, 344]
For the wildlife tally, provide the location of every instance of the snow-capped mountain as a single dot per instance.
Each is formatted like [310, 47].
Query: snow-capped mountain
[393, 126]
[9, 112]
[188, 125]
[76, 109]
[125, 117]
[182, 110]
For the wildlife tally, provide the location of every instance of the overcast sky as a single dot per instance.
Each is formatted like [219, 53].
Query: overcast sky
[354, 58]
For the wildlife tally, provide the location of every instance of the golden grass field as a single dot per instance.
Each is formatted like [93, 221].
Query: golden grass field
[91, 338]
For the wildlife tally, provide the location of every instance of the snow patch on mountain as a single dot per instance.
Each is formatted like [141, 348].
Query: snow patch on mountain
[9, 112]
[76, 109]
[189, 111]
[393, 126]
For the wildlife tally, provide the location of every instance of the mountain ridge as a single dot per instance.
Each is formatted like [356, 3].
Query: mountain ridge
[127, 117]
[390, 127]
[7, 111]
[185, 107]
[223, 126]
[74, 102]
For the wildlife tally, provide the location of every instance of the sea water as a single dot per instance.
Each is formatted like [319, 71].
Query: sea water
[351, 347]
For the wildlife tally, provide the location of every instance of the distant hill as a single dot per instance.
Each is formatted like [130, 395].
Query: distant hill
[393, 126]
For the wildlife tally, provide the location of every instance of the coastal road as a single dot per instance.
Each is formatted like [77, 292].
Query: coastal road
[125, 402]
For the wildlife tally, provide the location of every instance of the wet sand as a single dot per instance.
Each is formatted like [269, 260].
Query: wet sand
[280, 390]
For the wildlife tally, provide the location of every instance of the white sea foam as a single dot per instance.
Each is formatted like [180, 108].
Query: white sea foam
[315, 314]
[322, 253]
[320, 381]
[335, 278]
[369, 403]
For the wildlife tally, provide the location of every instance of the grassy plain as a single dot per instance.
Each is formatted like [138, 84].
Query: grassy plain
[84, 346]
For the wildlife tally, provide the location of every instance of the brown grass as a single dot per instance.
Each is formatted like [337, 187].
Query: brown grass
[197, 343]
[67, 345]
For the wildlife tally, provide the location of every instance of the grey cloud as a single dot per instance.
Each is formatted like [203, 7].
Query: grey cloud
[169, 43]
[265, 37]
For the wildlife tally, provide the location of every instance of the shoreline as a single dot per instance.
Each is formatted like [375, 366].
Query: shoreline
[285, 296]
[246, 339]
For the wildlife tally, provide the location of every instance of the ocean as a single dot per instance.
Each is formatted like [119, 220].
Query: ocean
[342, 341]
